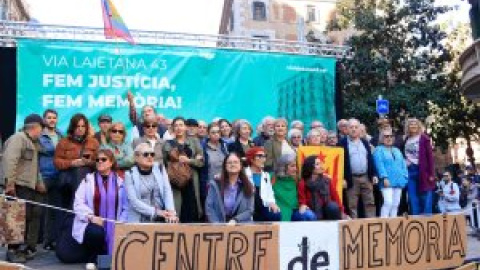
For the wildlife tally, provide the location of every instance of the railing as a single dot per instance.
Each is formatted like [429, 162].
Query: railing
[11, 31]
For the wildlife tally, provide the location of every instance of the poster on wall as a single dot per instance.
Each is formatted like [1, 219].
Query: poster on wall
[201, 83]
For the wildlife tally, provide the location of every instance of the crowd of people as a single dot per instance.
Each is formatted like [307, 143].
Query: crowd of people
[190, 171]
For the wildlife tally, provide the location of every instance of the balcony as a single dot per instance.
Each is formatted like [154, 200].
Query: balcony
[470, 63]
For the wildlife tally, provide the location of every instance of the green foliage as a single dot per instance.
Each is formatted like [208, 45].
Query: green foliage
[456, 117]
[400, 54]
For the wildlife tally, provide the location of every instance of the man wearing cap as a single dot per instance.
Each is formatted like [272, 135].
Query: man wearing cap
[104, 122]
[192, 127]
[23, 180]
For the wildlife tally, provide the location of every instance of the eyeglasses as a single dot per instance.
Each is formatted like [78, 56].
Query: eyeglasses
[117, 131]
[150, 126]
[214, 131]
[260, 156]
[388, 136]
[148, 154]
[296, 137]
[104, 159]
[446, 175]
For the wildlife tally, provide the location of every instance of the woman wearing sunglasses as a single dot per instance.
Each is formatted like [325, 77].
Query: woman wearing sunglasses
[392, 172]
[149, 193]
[266, 208]
[151, 136]
[123, 152]
[230, 198]
[99, 200]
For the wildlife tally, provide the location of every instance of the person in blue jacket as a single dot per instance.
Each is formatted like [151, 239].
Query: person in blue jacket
[48, 142]
[392, 172]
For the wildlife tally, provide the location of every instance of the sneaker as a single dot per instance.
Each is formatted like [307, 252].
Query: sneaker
[90, 266]
[15, 256]
[30, 253]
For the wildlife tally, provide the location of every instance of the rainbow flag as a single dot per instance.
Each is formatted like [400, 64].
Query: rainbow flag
[114, 26]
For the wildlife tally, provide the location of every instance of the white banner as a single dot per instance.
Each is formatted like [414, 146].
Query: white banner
[309, 246]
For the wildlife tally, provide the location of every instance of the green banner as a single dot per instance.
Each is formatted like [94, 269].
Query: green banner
[201, 83]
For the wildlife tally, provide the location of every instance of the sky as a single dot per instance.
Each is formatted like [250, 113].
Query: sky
[189, 16]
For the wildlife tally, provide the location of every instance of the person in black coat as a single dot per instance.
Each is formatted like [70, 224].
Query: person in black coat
[242, 132]
[359, 171]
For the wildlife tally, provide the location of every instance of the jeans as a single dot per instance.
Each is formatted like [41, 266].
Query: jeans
[421, 203]
[308, 215]
[53, 218]
[331, 211]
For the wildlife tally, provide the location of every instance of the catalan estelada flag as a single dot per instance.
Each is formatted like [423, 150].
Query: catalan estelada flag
[332, 158]
[114, 26]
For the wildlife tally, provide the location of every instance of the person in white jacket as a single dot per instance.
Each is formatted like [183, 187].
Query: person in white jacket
[266, 209]
[449, 196]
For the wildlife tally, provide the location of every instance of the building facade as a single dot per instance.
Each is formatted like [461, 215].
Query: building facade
[14, 10]
[307, 97]
[293, 20]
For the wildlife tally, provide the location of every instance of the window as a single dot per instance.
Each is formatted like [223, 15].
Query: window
[259, 11]
[261, 42]
[311, 14]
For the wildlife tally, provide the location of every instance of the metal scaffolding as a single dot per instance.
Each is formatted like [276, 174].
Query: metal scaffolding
[10, 31]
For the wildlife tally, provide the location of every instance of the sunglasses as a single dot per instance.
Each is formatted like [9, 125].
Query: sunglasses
[148, 154]
[101, 160]
[150, 126]
[117, 131]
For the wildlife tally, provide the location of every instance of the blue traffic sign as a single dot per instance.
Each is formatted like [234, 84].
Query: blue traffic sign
[382, 106]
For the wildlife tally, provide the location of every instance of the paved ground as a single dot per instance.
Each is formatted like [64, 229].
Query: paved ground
[47, 261]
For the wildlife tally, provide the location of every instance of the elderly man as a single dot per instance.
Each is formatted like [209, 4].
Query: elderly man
[24, 181]
[267, 131]
[298, 125]
[202, 133]
[343, 129]
[316, 124]
[359, 170]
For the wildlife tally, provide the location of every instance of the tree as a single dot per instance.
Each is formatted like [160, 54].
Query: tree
[399, 53]
[460, 117]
